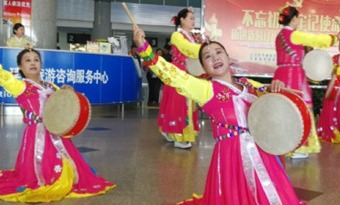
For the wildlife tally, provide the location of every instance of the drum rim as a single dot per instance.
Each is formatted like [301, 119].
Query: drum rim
[70, 132]
[306, 114]
[301, 116]
[66, 132]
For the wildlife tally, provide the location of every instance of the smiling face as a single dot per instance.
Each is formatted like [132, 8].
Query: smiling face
[30, 65]
[215, 61]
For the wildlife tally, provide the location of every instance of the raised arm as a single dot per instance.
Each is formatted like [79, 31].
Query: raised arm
[11, 84]
[314, 40]
[186, 47]
[191, 87]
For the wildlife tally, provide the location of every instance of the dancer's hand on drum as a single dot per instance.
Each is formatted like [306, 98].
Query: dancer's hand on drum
[67, 87]
[138, 36]
[276, 86]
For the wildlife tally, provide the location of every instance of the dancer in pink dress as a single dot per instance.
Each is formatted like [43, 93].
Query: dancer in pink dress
[328, 123]
[48, 168]
[239, 172]
[178, 115]
[290, 52]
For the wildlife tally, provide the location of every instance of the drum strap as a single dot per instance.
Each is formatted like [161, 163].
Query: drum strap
[252, 163]
[38, 153]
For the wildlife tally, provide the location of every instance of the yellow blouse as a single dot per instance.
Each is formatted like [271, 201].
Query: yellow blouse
[186, 47]
[313, 40]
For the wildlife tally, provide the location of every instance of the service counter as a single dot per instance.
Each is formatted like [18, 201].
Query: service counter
[103, 78]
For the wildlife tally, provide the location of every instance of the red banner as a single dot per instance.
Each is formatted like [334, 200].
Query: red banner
[248, 28]
[18, 11]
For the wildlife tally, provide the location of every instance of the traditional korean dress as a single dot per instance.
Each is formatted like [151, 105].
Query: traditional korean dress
[290, 52]
[16, 42]
[178, 116]
[328, 123]
[240, 173]
[48, 168]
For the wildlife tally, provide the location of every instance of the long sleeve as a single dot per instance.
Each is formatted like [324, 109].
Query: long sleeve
[199, 90]
[314, 40]
[11, 84]
[184, 46]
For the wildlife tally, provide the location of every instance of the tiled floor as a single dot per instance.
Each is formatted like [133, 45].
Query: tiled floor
[150, 171]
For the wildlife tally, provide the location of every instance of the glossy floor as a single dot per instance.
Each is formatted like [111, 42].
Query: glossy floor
[150, 171]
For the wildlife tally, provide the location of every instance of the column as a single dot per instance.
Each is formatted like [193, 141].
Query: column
[44, 24]
[3, 33]
[102, 20]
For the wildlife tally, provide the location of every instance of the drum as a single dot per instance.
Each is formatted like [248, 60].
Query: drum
[279, 122]
[332, 90]
[194, 67]
[318, 65]
[66, 113]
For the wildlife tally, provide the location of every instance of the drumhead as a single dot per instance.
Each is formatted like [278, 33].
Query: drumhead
[194, 67]
[318, 65]
[276, 124]
[61, 111]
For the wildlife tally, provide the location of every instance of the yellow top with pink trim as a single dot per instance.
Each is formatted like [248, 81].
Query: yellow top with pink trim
[314, 40]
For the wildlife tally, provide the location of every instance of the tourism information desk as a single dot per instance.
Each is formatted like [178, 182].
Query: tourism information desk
[103, 78]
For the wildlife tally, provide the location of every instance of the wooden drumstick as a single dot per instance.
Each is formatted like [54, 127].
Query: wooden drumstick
[134, 24]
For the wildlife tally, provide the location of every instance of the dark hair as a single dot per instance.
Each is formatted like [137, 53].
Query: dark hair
[287, 14]
[167, 47]
[181, 14]
[21, 54]
[17, 26]
[205, 44]
[159, 49]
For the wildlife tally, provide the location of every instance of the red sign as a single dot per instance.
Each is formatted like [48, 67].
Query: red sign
[18, 11]
[248, 28]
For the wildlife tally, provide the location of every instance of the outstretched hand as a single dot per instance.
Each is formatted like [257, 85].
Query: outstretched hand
[138, 36]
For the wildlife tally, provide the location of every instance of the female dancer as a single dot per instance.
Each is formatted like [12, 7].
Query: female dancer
[290, 52]
[178, 116]
[48, 168]
[239, 172]
[328, 123]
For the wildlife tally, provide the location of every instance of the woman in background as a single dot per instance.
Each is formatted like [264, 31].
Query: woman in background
[328, 124]
[18, 40]
[178, 116]
[290, 53]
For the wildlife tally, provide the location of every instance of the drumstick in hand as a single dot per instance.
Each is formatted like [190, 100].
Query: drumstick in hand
[134, 24]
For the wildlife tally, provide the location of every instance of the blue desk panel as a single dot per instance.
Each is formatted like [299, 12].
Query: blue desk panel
[103, 78]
